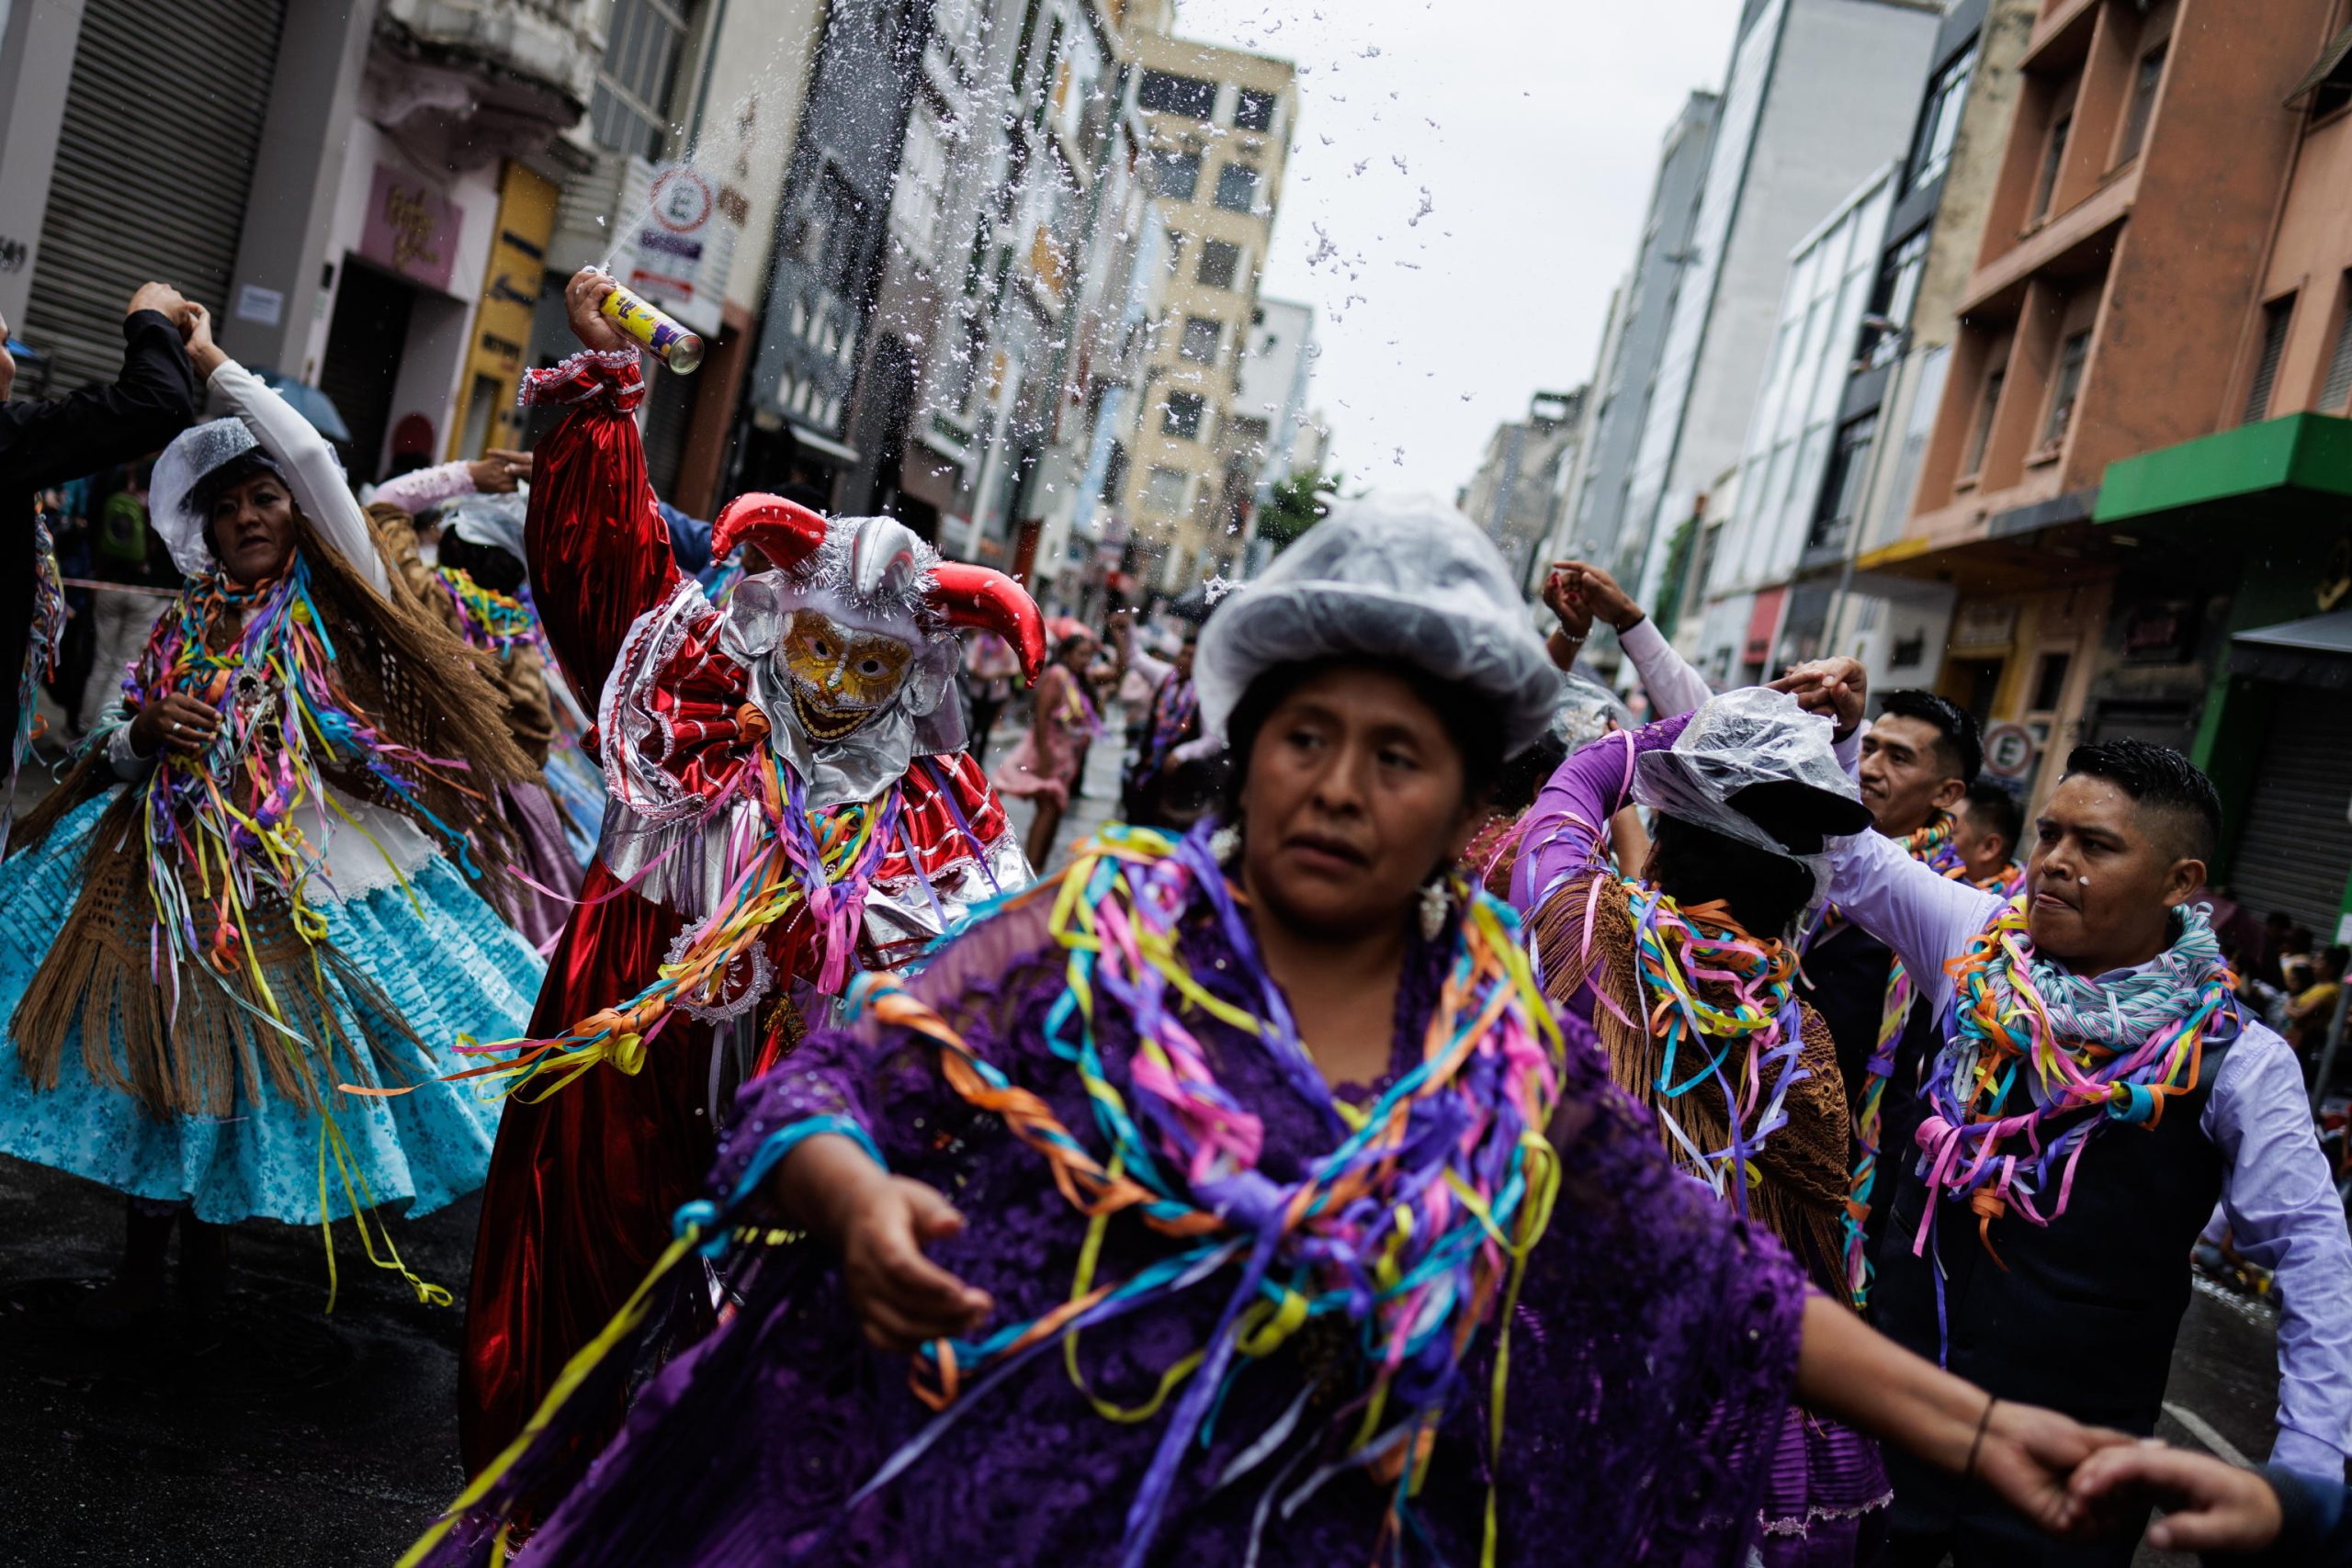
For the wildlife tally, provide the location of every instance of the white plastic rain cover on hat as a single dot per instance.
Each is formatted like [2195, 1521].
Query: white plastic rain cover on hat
[194, 453]
[1751, 735]
[1586, 712]
[1410, 580]
[493, 522]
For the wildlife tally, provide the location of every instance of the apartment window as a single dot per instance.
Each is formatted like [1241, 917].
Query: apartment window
[916, 202]
[1981, 437]
[1253, 110]
[2050, 682]
[1181, 416]
[629, 110]
[1237, 188]
[1898, 291]
[1909, 652]
[2144, 84]
[2054, 158]
[2338, 386]
[831, 232]
[2072, 356]
[1046, 77]
[1175, 175]
[1114, 474]
[1841, 486]
[1164, 92]
[2275, 318]
[1250, 433]
[1220, 264]
[1163, 492]
[1939, 119]
[976, 264]
[1202, 339]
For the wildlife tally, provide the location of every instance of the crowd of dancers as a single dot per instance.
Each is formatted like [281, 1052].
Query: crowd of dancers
[1447, 1122]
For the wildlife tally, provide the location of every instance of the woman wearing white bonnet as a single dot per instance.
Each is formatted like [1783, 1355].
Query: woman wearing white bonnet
[253, 906]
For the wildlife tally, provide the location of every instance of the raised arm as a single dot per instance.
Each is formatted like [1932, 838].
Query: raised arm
[313, 473]
[47, 442]
[1927, 919]
[1564, 827]
[2284, 1214]
[1673, 686]
[598, 552]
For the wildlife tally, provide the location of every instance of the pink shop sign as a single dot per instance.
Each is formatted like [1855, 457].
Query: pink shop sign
[411, 228]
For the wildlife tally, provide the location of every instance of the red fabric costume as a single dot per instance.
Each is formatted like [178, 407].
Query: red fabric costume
[692, 701]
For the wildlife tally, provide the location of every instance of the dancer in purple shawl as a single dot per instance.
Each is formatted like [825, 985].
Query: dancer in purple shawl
[1371, 686]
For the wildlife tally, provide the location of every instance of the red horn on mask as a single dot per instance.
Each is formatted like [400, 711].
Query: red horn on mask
[975, 596]
[787, 532]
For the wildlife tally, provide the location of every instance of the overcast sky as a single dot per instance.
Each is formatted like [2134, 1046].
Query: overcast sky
[1532, 129]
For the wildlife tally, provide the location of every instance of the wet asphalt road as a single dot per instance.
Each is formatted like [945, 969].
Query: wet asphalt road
[296, 1436]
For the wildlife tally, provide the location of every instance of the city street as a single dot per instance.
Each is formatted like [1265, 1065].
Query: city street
[302, 1438]
[1840, 510]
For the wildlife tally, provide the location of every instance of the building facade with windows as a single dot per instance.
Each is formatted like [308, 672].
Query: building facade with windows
[1897, 625]
[1219, 123]
[346, 216]
[1597, 485]
[2151, 303]
[1799, 458]
[1515, 493]
[1277, 376]
[2258, 507]
[1818, 93]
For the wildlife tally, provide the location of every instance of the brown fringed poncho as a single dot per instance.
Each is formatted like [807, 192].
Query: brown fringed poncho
[1802, 1198]
[187, 1039]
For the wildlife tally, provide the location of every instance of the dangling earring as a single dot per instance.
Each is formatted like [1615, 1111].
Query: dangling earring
[1226, 843]
[1437, 906]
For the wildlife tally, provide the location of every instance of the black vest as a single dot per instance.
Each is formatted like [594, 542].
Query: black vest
[2083, 1317]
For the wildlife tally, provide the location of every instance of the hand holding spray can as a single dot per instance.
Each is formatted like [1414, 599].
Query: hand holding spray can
[680, 349]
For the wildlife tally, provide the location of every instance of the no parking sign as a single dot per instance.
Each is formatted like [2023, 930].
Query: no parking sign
[2009, 751]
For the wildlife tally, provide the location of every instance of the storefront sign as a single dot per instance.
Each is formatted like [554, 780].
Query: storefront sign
[2008, 751]
[678, 253]
[255, 303]
[411, 228]
[2163, 633]
[1984, 623]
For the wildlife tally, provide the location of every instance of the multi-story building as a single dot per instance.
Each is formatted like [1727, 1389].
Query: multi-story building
[1819, 93]
[1277, 370]
[1797, 451]
[1220, 122]
[2138, 479]
[1515, 493]
[1598, 484]
[358, 211]
[1896, 624]
[1082, 333]
[833, 235]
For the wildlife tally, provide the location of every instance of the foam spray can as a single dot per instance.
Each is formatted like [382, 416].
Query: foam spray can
[680, 349]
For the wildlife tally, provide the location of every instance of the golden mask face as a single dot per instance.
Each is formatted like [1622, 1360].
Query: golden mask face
[840, 678]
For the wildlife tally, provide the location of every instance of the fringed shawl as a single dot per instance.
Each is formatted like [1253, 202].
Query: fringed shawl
[1802, 1198]
[184, 1042]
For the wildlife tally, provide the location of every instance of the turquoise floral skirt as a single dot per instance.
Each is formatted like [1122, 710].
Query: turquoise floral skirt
[437, 951]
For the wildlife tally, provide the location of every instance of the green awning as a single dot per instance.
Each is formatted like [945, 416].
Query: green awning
[2309, 453]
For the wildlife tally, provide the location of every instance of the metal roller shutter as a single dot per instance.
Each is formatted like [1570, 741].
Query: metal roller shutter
[162, 121]
[2295, 850]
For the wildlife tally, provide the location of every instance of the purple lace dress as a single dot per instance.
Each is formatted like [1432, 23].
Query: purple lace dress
[1650, 1362]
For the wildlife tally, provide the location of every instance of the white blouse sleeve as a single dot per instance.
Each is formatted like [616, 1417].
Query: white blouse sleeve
[313, 471]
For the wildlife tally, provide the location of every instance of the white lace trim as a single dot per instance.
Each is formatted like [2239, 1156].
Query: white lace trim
[1802, 1525]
